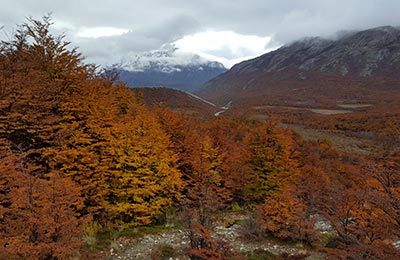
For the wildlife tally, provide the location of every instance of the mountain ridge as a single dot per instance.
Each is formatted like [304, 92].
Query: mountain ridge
[314, 47]
[312, 67]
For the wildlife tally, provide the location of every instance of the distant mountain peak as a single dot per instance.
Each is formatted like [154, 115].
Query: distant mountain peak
[169, 67]
[167, 59]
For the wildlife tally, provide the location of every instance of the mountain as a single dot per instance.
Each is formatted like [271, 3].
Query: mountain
[354, 66]
[168, 67]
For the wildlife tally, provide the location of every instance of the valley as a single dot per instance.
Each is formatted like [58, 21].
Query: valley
[352, 119]
[322, 88]
[293, 155]
[325, 124]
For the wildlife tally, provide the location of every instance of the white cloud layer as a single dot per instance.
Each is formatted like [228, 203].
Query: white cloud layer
[106, 30]
[97, 32]
[226, 47]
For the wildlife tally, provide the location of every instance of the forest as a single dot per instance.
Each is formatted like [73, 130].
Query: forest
[80, 150]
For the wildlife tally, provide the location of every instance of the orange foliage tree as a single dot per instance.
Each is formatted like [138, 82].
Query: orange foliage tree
[205, 247]
[359, 204]
[39, 220]
[38, 202]
[204, 180]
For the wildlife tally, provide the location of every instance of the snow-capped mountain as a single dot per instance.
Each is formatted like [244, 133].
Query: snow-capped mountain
[168, 67]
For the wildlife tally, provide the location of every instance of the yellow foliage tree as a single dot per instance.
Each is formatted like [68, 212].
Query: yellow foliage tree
[144, 180]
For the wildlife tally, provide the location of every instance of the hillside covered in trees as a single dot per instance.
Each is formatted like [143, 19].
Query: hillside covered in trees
[82, 153]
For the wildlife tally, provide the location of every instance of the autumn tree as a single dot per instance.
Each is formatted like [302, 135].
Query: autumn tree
[38, 219]
[349, 198]
[229, 135]
[368, 216]
[85, 152]
[205, 247]
[204, 180]
[144, 180]
[38, 202]
[271, 161]
[116, 150]
[283, 215]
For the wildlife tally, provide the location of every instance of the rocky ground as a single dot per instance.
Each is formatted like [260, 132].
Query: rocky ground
[173, 243]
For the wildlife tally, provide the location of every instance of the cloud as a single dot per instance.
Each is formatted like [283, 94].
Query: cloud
[146, 25]
[225, 46]
[97, 32]
[109, 50]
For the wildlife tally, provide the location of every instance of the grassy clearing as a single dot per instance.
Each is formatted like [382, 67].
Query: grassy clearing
[339, 140]
[330, 111]
[100, 241]
[354, 105]
[322, 111]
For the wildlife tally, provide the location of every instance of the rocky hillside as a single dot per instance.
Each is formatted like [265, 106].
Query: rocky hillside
[317, 67]
[373, 52]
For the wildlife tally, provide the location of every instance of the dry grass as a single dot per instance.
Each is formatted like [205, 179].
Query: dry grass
[339, 140]
[323, 111]
[354, 105]
[330, 111]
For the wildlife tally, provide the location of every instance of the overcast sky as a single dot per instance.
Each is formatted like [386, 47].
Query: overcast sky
[227, 30]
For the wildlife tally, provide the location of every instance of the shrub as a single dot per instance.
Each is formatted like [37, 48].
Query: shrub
[261, 254]
[236, 208]
[251, 230]
[294, 256]
[163, 252]
[90, 236]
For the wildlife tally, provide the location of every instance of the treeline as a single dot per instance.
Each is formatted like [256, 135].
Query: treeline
[77, 147]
